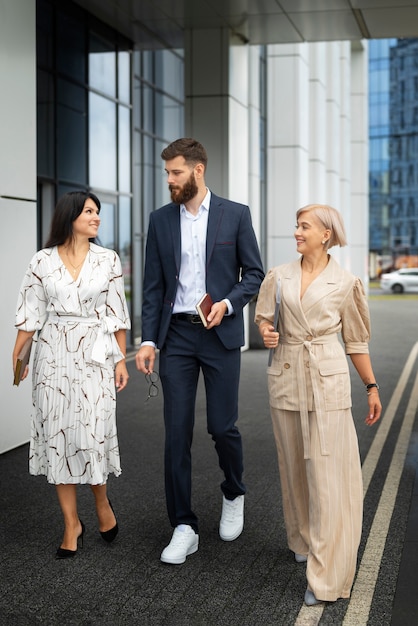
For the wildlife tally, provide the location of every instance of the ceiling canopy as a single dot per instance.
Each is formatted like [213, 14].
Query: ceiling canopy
[259, 21]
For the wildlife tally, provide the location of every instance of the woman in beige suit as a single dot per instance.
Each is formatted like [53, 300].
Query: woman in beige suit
[310, 400]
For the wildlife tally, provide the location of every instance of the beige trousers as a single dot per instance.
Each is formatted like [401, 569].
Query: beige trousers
[322, 498]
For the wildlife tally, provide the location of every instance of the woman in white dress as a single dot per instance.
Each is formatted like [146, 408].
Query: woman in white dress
[310, 400]
[73, 294]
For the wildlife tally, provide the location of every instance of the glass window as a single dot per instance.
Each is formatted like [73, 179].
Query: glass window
[102, 142]
[147, 109]
[379, 81]
[136, 163]
[168, 116]
[107, 224]
[71, 49]
[379, 150]
[161, 187]
[44, 39]
[87, 108]
[63, 188]
[136, 62]
[71, 132]
[102, 65]
[147, 66]
[169, 73]
[124, 77]
[124, 246]
[124, 149]
[148, 198]
[45, 121]
[137, 108]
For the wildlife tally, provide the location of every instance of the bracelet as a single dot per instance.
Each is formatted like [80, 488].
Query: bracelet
[370, 385]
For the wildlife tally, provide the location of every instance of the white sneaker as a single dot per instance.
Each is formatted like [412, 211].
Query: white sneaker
[183, 542]
[232, 519]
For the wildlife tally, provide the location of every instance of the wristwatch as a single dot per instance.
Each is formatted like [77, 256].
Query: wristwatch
[372, 385]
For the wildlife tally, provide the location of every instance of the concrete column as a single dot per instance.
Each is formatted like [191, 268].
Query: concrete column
[317, 122]
[207, 73]
[254, 139]
[288, 146]
[360, 160]
[333, 128]
[217, 110]
[345, 165]
[317, 143]
[17, 197]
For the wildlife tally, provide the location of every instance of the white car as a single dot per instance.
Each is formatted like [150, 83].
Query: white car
[405, 279]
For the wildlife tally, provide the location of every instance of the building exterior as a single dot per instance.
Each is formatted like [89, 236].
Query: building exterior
[403, 91]
[393, 115]
[89, 103]
[379, 163]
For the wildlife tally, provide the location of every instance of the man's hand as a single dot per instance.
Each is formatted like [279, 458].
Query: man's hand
[216, 314]
[145, 359]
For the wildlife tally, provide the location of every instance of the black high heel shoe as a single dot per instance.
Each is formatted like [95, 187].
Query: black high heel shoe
[110, 535]
[63, 553]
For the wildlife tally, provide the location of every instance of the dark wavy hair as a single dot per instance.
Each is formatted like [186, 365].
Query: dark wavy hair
[68, 208]
[192, 151]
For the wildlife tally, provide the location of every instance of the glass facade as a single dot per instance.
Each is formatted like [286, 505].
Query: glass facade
[393, 131]
[104, 113]
[404, 148]
[379, 134]
[158, 119]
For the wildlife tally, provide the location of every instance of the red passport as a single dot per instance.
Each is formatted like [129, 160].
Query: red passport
[203, 307]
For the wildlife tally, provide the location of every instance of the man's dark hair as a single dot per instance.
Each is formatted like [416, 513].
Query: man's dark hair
[192, 151]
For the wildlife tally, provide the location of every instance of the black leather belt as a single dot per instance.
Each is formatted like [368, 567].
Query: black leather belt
[187, 317]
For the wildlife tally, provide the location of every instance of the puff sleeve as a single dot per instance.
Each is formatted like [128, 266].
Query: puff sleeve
[31, 310]
[355, 319]
[266, 301]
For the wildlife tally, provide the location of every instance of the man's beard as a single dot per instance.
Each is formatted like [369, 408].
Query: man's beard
[186, 193]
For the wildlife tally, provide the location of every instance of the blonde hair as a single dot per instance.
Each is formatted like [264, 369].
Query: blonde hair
[331, 219]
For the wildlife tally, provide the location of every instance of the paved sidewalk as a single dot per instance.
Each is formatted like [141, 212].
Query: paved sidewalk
[252, 581]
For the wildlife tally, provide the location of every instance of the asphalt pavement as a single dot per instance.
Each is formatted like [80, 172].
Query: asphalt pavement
[253, 581]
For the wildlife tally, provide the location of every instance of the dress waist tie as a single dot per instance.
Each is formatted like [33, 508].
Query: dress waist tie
[105, 345]
[316, 388]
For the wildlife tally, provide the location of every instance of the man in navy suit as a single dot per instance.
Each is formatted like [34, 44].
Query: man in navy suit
[197, 244]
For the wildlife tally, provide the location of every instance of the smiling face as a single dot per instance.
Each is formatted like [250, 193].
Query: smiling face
[87, 223]
[310, 233]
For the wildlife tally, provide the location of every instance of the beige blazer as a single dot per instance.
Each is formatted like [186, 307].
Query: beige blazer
[309, 370]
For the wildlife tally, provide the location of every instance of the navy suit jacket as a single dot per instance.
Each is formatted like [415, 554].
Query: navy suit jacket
[233, 268]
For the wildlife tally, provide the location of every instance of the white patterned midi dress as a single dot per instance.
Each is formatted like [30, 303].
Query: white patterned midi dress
[73, 427]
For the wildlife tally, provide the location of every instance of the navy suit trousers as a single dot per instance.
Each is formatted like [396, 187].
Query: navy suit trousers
[188, 349]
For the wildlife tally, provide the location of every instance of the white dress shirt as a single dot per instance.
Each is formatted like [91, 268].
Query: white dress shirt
[192, 277]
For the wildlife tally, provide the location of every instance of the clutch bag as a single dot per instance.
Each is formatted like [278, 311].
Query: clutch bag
[22, 360]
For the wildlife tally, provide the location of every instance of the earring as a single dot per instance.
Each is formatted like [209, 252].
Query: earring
[323, 241]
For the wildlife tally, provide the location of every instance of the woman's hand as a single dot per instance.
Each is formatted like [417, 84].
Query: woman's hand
[375, 407]
[21, 337]
[269, 335]
[121, 375]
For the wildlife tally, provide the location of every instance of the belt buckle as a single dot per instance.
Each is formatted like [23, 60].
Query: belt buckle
[195, 319]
